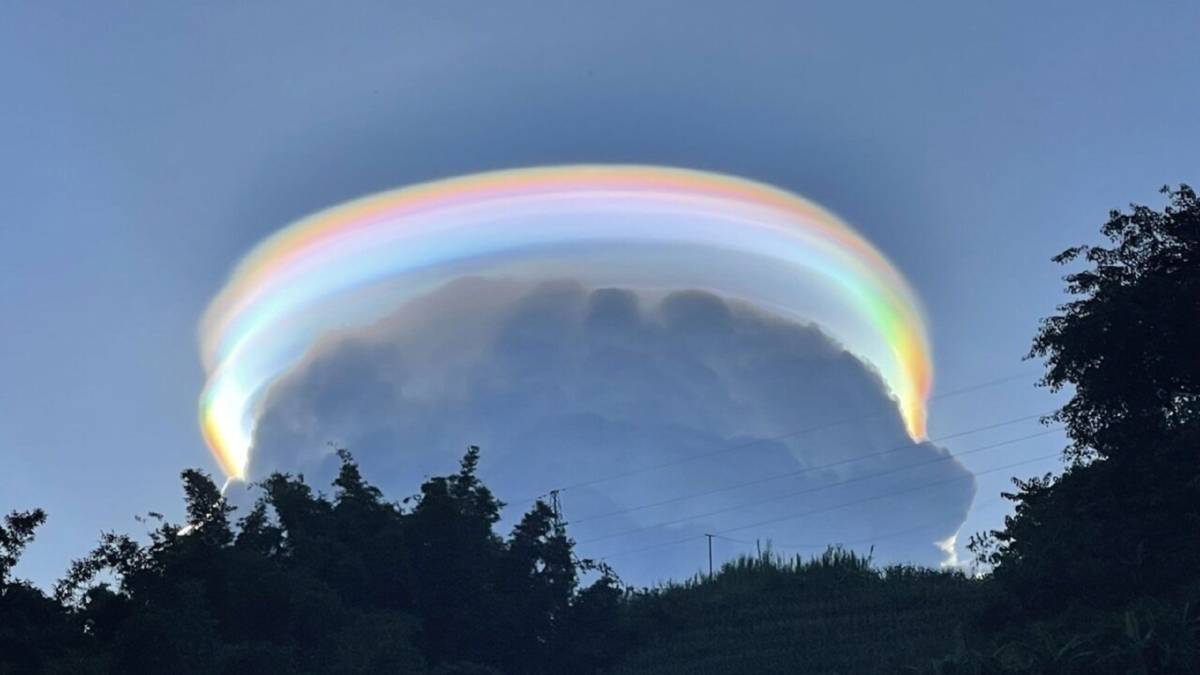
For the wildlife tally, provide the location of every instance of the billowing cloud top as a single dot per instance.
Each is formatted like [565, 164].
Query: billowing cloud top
[561, 384]
[645, 228]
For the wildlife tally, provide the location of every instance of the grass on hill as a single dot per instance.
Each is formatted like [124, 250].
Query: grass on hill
[836, 613]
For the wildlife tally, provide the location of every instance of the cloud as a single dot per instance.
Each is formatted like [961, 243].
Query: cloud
[562, 384]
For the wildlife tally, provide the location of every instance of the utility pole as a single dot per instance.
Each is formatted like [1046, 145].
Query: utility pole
[710, 570]
[555, 507]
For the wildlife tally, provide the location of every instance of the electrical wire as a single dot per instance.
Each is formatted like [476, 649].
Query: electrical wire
[827, 486]
[809, 469]
[762, 441]
[831, 508]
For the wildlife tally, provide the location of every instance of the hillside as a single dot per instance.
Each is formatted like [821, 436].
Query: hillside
[835, 613]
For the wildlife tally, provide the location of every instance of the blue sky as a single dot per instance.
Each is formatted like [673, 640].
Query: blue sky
[146, 148]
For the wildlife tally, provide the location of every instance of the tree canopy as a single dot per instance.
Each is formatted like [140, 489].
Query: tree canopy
[1124, 518]
[305, 583]
[1126, 343]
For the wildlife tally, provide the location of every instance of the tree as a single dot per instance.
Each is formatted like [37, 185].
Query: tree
[1127, 342]
[595, 633]
[15, 535]
[455, 556]
[1123, 519]
[538, 582]
[307, 584]
[36, 633]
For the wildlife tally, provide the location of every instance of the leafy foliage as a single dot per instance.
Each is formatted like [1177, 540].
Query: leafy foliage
[1124, 519]
[1126, 343]
[303, 583]
[15, 535]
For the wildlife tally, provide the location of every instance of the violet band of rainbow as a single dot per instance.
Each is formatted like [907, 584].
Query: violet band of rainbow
[643, 227]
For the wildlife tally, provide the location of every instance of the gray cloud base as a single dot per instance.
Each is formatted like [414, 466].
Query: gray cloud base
[562, 384]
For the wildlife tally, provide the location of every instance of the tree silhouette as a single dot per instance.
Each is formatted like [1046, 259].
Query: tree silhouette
[1127, 343]
[33, 628]
[15, 534]
[305, 583]
[1124, 518]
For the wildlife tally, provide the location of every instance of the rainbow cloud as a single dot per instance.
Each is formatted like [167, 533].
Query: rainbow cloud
[636, 226]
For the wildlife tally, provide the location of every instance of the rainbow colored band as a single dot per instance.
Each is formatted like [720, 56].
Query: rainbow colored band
[638, 226]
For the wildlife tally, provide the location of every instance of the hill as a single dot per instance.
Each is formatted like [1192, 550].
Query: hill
[835, 613]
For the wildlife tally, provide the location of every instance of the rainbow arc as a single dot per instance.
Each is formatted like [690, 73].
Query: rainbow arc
[640, 227]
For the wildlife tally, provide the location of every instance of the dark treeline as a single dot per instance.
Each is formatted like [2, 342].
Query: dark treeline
[1097, 571]
[309, 584]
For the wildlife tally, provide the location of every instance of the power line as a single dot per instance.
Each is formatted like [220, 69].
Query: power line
[772, 521]
[761, 441]
[827, 486]
[867, 540]
[710, 565]
[831, 508]
[809, 469]
[859, 542]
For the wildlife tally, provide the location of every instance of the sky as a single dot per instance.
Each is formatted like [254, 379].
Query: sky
[147, 148]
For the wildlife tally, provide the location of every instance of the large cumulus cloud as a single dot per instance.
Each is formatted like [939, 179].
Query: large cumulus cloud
[562, 384]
